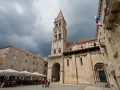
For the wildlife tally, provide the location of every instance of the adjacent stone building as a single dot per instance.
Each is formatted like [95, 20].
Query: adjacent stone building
[12, 57]
[109, 39]
[78, 62]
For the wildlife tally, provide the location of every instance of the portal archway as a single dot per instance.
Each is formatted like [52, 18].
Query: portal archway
[55, 72]
[100, 72]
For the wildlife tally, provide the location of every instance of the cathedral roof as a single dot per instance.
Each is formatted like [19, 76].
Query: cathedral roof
[81, 41]
[81, 50]
[60, 15]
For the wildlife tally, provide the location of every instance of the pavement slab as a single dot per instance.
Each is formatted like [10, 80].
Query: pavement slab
[96, 88]
[52, 87]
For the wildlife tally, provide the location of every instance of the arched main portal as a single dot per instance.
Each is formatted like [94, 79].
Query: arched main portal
[100, 72]
[55, 72]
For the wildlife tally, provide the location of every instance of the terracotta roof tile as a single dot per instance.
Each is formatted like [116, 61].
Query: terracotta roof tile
[81, 41]
[81, 49]
[60, 15]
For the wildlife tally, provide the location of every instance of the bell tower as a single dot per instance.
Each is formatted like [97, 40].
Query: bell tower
[59, 39]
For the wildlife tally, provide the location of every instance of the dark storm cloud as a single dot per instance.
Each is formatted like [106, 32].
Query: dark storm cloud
[28, 24]
[80, 18]
[12, 22]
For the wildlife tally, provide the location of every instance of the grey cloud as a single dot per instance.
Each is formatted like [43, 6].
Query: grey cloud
[13, 22]
[80, 18]
[28, 32]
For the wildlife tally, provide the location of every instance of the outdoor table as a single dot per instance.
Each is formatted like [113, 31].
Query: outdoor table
[10, 84]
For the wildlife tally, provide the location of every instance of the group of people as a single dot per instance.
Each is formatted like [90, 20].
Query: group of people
[2, 79]
[45, 82]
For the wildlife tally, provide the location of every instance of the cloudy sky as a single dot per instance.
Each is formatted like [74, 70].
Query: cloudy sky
[28, 24]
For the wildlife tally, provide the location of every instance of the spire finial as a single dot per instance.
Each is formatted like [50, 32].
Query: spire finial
[60, 15]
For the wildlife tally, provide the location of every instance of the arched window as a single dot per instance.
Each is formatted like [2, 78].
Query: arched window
[55, 37]
[67, 62]
[59, 34]
[59, 23]
[54, 51]
[59, 50]
[55, 33]
[56, 25]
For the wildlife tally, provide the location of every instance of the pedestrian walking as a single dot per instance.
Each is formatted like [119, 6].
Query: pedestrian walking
[45, 82]
[49, 83]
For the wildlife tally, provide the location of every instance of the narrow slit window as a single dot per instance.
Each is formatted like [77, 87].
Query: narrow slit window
[67, 62]
[94, 44]
[81, 61]
[55, 37]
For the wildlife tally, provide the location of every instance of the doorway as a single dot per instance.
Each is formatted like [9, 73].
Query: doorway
[102, 76]
[100, 72]
[55, 72]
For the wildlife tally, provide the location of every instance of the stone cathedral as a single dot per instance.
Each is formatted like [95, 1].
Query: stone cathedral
[79, 62]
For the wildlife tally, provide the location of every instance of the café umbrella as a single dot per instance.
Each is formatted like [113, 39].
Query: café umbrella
[25, 73]
[36, 74]
[9, 72]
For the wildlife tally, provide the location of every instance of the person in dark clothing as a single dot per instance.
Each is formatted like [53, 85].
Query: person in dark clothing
[48, 83]
[2, 79]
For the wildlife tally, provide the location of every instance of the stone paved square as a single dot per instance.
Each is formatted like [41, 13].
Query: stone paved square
[55, 87]
[52, 87]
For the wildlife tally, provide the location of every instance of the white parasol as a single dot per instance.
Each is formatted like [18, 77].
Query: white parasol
[9, 72]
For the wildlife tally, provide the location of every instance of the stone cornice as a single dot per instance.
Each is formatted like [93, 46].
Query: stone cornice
[55, 55]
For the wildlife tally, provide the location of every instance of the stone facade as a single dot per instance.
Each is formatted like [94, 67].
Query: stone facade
[78, 62]
[109, 39]
[15, 58]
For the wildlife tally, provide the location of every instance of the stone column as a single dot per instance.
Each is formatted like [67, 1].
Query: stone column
[92, 68]
[49, 73]
[61, 75]
[74, 70]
